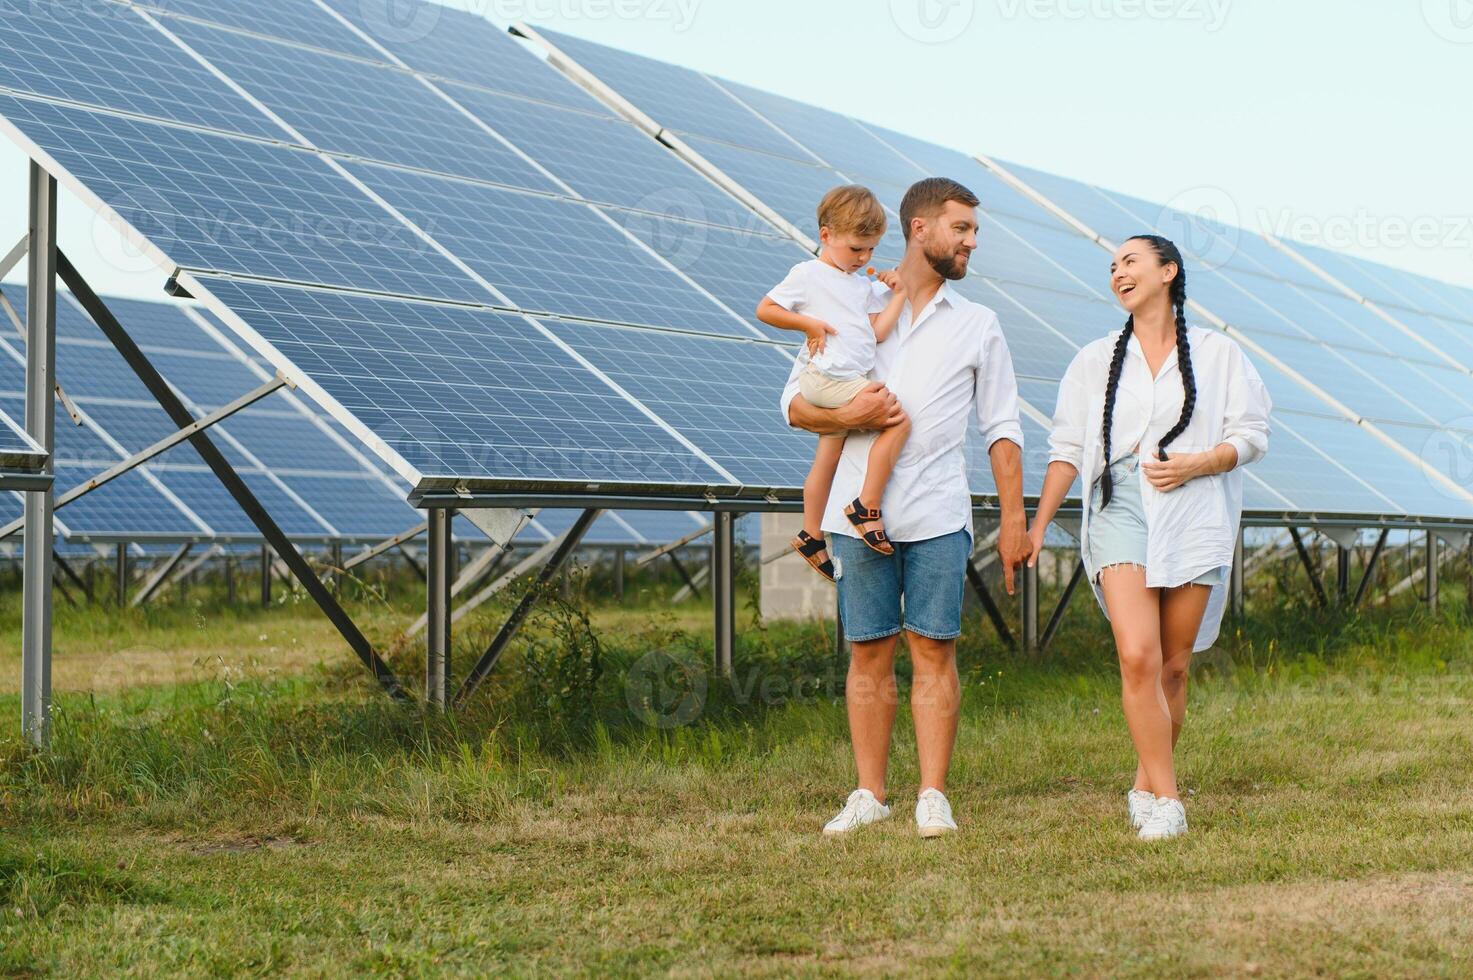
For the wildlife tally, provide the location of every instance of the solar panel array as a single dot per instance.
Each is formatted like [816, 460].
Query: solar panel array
[407, 218]
[18, 451]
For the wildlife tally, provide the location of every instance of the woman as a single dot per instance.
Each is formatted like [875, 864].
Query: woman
[1159, 526]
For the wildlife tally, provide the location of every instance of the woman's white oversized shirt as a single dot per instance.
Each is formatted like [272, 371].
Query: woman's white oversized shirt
[1193, 528]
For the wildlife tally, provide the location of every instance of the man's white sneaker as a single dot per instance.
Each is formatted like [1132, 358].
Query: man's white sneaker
[1140, 802]
[1168, 819]
[861, 808]
[933, 814]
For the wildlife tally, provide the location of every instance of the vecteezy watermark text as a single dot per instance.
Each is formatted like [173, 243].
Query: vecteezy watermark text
[1210, 13]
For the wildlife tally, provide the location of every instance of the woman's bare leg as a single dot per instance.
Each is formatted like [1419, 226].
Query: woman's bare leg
[1135, 619]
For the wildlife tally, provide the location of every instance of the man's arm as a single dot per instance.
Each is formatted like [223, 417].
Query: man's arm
[997, 417]
[873, 408]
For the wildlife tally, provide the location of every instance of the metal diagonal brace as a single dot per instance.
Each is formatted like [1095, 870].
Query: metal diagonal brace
[988, 605]
[665, 549]
[519, 614]
[161, 574]
[388, 544]
[20, 326]
[1314, 579]
[226, 474]
[1058, 614]
[1365, 579]
[164, 444]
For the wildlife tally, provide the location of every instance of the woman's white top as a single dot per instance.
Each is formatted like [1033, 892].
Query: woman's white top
[1192, 529]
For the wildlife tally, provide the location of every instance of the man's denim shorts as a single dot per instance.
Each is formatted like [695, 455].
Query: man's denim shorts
[1117, 534]
[928, 574]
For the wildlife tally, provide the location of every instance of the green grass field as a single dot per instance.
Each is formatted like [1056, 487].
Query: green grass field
[227, 794]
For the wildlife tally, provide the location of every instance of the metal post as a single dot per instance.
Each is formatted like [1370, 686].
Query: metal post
[1431, 577]
[723, 589]
[122, 575]
[1030, 607]
[1235, 582]
[619, 574]
[437, 626]
[336, 550]
[40, 424]
[1366, 577]
[1342, 572]
[229, 581]
[265, 576]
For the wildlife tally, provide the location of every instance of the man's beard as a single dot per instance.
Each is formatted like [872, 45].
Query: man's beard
[946, 265]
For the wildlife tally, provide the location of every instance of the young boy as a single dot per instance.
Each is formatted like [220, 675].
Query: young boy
[845, 316]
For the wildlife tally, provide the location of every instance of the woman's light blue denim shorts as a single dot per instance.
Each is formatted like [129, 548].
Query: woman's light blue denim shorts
[1117, 534]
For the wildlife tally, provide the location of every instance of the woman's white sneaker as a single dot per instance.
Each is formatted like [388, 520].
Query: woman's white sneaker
[933, 814]
[1168, 819]
[1140, 802]
[861, 808]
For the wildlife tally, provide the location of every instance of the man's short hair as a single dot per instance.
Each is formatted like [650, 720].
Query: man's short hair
[852, 210]
[927, 197]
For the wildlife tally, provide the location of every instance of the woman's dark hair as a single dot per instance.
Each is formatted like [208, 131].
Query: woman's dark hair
[1167, 252]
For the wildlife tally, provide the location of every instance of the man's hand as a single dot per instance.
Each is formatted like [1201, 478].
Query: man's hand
[818, 335]
[875, 407]
[1013, 548]
[1177, 469]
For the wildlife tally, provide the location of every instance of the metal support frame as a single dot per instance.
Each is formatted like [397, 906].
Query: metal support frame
[1057, 616]
[1430, 578]
[40, 426]
[723, 590]
[437, 609]
[229, 580]
[120, 569]
[66, 569]
[619, 574]
[1309, 569]
[671, 546]
[1030, 607]
[1235, 580]
[161, 574]
[265, 576]
[1366, 576]
[989, 605]
[411, 562]
[388, 544]
[690, 582]
[519, 614]
[1342, 573]
[225, 473]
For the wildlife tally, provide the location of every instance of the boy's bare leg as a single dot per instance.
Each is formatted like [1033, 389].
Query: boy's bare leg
[820, 481]
[882, 457]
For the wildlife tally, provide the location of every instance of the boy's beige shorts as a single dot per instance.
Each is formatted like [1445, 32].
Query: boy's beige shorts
[822, 391]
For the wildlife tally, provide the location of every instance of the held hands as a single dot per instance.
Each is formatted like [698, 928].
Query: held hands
[1177, 469]
[1014, 548]
[818, 335]
[1035, 542]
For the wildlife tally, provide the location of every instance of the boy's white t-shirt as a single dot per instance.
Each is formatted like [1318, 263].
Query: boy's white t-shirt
[842, 300]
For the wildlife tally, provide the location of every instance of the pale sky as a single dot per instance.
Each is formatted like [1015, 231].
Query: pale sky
[1343, 124]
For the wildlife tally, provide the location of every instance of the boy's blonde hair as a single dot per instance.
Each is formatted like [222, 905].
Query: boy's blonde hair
[852, 210]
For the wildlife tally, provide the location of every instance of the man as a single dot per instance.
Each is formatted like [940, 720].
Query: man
[945, 360]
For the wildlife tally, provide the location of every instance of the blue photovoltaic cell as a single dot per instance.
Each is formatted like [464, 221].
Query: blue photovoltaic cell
[18, 450]
[722, 395]
[1088, 204]
[466, 393]
[1035, 347]
[354, 506]
[676, 98]
[225, 204]
[736, 268]
[438, 40]
[292, 20]
[1035, 459]
[837, 140]
[629, 168]
[1295, 469]
[128, 507]
[104, 54]
[1322, 366]
[1015, 250]
[366, 110]
[549, 255]
[790, 187]
[1080, 318]
[939, 161]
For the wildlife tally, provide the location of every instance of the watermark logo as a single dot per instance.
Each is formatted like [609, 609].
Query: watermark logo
[933, 21]
[1451, 20]
[1204, 223]
[665, 692]
[1211, 14]
[1363, 230]
[122, 232]
[400, 21]
[1449, 451]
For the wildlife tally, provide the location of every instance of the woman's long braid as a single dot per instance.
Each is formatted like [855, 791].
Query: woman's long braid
[1117, 362]
[1183, 361]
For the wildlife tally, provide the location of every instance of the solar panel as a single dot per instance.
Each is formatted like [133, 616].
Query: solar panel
[293, 20]
[352, 107]
[18, 451]
[234, 205]
[438, 40]
[549, 255]
[57, 50]
[721, 394]
[464, 393]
